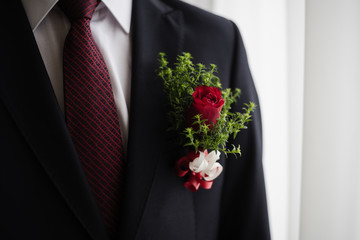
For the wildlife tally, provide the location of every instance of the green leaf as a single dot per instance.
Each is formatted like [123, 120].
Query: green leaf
[179, 84]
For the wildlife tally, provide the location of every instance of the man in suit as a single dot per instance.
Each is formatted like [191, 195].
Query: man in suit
[45, 192]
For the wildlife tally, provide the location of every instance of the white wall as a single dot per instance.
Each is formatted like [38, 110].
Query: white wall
[331, 172]
[295, 63]
[305, 59]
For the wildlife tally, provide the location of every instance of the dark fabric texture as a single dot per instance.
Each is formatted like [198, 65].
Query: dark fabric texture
[44, 191]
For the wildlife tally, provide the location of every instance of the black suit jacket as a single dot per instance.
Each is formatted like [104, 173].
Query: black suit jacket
[44, 193]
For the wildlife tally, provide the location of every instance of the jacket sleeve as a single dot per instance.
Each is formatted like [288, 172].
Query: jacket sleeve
[244, 208]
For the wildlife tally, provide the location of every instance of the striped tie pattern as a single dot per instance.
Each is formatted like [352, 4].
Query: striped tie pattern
[90, 112]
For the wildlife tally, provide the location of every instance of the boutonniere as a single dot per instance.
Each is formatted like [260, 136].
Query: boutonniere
[201, 117]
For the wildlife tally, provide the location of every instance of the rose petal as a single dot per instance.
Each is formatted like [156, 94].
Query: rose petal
[208, 103]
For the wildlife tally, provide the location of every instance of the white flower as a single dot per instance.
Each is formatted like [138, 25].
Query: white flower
[207, 165]
[213, 172]
[198, 164]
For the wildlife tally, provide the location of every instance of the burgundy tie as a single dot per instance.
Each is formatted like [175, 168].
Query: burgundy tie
[90, 111]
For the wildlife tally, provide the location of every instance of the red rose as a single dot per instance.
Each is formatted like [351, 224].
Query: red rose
[208, 103]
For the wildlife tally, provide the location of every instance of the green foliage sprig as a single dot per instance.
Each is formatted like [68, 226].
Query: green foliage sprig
[179, 85]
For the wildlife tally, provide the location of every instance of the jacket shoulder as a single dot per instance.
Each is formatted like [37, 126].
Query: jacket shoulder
[202, 20]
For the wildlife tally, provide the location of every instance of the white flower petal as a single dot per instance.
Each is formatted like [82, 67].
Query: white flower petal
[211, 158]
[213, 172]
[198, 164]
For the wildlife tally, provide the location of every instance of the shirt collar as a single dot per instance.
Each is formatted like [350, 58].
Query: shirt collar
[36, 13]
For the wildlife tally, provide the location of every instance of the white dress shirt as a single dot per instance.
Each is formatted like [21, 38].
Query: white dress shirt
[110, 27]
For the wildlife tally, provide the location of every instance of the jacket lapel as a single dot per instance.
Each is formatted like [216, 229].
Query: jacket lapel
[28, 95]
[156, 28]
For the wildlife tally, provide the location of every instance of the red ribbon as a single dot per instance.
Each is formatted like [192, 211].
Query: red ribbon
[195, 180]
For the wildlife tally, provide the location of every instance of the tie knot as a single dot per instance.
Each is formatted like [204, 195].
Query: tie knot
[78, 9]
